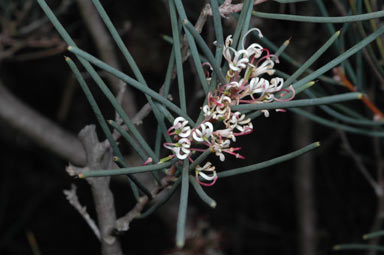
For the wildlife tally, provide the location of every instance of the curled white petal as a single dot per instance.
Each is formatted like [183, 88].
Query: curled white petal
[207, 177]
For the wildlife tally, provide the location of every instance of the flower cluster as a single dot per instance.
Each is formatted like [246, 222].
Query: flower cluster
[244, 84]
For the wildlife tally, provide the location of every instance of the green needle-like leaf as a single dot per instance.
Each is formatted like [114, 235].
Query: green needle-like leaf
[99, 117]
[336, 61]
[129, 81]
[268, 163]
[373, 234]
[130, 140]
[131, 62]
[199, 159]
[161, 201]
[100, 83]
[315, 19]
[177, 50]
[193, 49]
[312, 59]
[207, 52]
[358, 247]
[336, 125]
[289, 1]
[299, 103]
[218, 31]
[199, 190]
[182, 215]
[129, 170]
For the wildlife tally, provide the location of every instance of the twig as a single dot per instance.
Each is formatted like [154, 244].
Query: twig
[104, 45]
[71, 196]
[359, 163]
[340, 75]
[228, 8]
[99, 158]
[122, 224]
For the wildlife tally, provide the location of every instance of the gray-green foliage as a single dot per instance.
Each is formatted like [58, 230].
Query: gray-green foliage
[166, 111]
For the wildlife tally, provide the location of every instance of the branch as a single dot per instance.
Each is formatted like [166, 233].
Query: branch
[71, 196]
[227, 8]
[122, 224]
[40, 129]
[98, 158]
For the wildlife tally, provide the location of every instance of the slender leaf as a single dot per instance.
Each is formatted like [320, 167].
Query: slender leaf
[182, 215]
[271, 162]
[315, 19]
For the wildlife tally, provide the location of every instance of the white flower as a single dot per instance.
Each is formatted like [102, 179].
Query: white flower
[227, 133]
[239, 61]
[265, 67]
[258, 85]
[203, 132]
[181, 148]
[226, 53]
[254, 49]
[239, 122]
[180, 125]
[275, 85]
[219, 146]
[208, 167]
[200, 171]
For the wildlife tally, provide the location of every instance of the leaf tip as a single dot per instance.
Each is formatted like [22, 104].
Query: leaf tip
[360, 95]
[317, 144]
[336, 247]
[67, 58]
[213, 204]
[287, 42]
[180, 244]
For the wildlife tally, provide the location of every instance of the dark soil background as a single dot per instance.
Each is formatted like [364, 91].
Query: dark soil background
[256, 212]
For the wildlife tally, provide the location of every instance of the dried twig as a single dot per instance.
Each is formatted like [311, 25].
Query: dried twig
[359, 163]
[71, 196]
[228, 8]
[122, 224]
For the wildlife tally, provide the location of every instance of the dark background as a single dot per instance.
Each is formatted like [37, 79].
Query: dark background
[256, 213]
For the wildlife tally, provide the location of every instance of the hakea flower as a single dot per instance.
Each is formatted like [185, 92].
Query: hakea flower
[226, 133]
[238, 121]
[203, 173]
[182, 148]
[239, 60]
[244, 84]
[219, 146]
[203, 132]
[218, 107]
[180, 127]
[223, 109]
[265, 67]
[255, 48]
